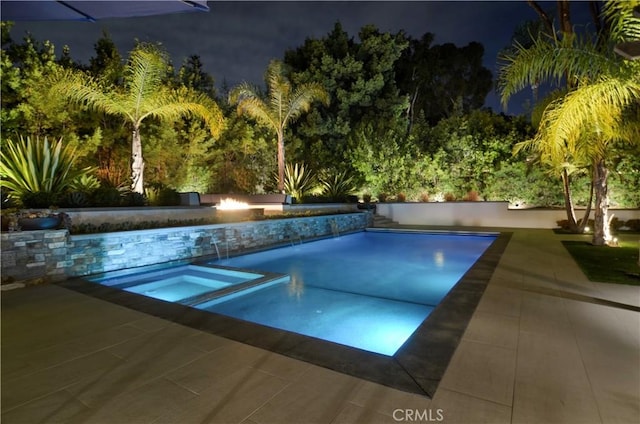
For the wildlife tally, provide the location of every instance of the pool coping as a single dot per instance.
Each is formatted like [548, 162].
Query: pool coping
[417, 367]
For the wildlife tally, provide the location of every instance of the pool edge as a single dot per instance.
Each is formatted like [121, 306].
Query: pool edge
[417, 367]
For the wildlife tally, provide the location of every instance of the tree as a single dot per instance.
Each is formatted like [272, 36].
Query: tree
[145, 95]
[283, 105]
[360, 78]
[442, 79]
[600, 108]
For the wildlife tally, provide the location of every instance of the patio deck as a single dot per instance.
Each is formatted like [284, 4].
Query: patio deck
[544, 345]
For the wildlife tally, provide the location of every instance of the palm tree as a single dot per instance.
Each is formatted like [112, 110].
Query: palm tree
[599, 109]
[283, 104]
[145, 95]
[563, 163]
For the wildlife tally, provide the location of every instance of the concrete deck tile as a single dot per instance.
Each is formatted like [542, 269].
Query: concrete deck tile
[231, 399]
[611, 355]
[31, 386]
[147, 404]
[356, 414]
[281, 366]
[483, 371]
[68, 316]
[57, 407]
[16, 363]
[154, 359]
[551, 383]
[621, 293]
[494, 329]
[198, 375]
[501, 300]
[307, 402]
[385, 400]
[458, 408]
[544, 314]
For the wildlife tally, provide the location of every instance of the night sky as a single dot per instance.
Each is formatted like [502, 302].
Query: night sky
[236, 39]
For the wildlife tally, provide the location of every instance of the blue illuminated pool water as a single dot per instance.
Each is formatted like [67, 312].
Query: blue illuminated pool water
[370, 290]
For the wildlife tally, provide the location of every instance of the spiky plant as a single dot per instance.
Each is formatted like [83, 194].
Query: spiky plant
[298, 181]
[336, 186]
[34, 165]
[282, 105]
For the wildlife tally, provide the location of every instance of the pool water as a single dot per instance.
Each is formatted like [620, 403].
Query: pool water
[187, 284]
[369, 290]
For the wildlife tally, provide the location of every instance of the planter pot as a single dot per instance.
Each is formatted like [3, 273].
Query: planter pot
[367, 206]
[45, 223]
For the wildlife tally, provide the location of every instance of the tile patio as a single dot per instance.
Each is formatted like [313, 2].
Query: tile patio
[544, 345]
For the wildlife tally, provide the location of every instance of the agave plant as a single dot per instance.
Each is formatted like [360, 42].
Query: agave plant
[298, 181]
[337, 186]
[32, 166]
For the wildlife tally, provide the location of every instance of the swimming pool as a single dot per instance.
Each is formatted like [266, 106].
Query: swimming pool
[369, 290]
[417, 366]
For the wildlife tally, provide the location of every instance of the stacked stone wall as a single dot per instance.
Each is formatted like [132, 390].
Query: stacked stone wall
[30, 257]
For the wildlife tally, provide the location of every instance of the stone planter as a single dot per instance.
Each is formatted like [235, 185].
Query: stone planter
[44, 223]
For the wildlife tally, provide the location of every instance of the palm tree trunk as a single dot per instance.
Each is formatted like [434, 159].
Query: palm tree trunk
[585, 219]
[568, 202]
[601, 234]
[281, 161]
[137, 163]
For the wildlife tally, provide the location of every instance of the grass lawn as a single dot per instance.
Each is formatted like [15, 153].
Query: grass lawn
[607, 264]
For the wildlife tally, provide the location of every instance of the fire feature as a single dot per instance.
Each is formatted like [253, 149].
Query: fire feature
[230, 204]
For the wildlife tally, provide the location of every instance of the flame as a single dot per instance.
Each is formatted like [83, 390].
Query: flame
[230, 204]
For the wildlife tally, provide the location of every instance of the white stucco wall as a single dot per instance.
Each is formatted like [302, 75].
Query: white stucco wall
[482, 214]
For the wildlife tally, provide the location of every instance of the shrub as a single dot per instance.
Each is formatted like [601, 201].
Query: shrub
[366, 197]
[106, 196]
[401, 197]
[472, 196]
[132, 198]
[633, 224]
[159, 195]
[76, 199]
[615, 224]
[382, 197]
[424, 197]
[38, 199]
[449, 197]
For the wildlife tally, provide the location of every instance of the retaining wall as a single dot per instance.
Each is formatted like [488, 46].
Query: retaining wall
[30, 257]
[483, 214]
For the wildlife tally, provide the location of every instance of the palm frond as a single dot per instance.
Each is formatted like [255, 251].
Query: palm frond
[145, 70]
[174, 104]
[623, 25]
[597, 106]
[302, 99]
[81, 89]
[552, 60]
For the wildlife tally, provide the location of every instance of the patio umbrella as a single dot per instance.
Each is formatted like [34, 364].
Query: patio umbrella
[91, 11]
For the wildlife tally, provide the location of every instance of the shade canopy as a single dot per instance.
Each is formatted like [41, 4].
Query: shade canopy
[91, 11]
